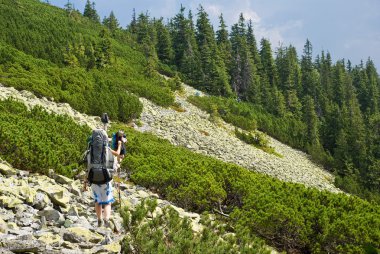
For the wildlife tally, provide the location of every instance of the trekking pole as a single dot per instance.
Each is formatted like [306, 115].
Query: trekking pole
[105, 120]
[119, 187]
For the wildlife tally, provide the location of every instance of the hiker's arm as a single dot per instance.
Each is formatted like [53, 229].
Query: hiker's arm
[117, 152]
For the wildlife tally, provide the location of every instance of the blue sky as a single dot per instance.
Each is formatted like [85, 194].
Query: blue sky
[348, 29]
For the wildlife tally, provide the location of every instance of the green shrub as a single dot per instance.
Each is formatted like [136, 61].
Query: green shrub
[166, 70]
[236, 116]
[36, 141]
[92, 92]
[175, 83]
[250, 117]
[166, 232]
[289, 216]
[252, 138]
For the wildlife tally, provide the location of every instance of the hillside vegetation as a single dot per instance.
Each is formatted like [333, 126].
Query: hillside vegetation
[329, 110]
[37, 141]
[83, 65]
[289, 216]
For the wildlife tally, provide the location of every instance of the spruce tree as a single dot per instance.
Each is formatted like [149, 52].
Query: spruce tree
[267, 63]
[224, 45]
[69, 7]
[87, 9]
[269, 77]
[215, 74]
[132, 25]
[252, 44]
[289, 77]
[103, 52]
[339, 85]
[373, 141]
[312, 122]
[373, 87]
[244, 79]
[90, 12]
[326, 80]
[112, 23]
[307, 68]
[186, 54]
[163, 46]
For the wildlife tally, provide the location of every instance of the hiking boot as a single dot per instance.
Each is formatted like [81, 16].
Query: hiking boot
[100, 223]
[107, 224]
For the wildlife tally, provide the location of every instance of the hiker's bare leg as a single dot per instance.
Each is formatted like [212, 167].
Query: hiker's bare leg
[107, 212]
[98, 210]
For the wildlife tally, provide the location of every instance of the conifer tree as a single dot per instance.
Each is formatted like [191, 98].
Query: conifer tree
[112, 23]
[269, 78]
[339, 85]
[267, 63]
[373, 141]
[147, 38]
[355, 128]
[330, 126]
[186, 54]
[90, 56]
[223, 42]
[215, 74]
[143, 29]
[244, 79]
[87, 9]
[103, 52]
[326, 80]
[311, 120]
[163, 46]
[252, 44]
[132, 25]
[90, 12]
[373, 87]
[179, 26]
[69, 7]
[69, 56]
[289, 77]
[308, 82]
[342, 159]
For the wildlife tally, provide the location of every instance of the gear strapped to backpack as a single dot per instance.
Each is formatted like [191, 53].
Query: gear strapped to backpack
[99, 159]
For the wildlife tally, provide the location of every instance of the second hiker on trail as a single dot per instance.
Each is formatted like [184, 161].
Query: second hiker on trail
[118, 145]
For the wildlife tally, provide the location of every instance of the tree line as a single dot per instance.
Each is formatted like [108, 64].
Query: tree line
[337, 104]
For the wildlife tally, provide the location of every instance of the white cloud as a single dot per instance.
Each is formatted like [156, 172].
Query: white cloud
[276, 34]
[231, 12]
[213, 10]
[251, 15]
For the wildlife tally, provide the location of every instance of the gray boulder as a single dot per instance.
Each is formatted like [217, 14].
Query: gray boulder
[22, 246]
[51, 215]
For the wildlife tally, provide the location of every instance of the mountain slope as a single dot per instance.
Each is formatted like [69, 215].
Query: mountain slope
[287, 213]
[188, 129]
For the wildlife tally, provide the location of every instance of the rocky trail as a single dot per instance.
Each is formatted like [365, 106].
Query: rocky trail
[42, 214]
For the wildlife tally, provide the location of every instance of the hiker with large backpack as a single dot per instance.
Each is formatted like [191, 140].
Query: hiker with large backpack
[101, 165]
[100, 170]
